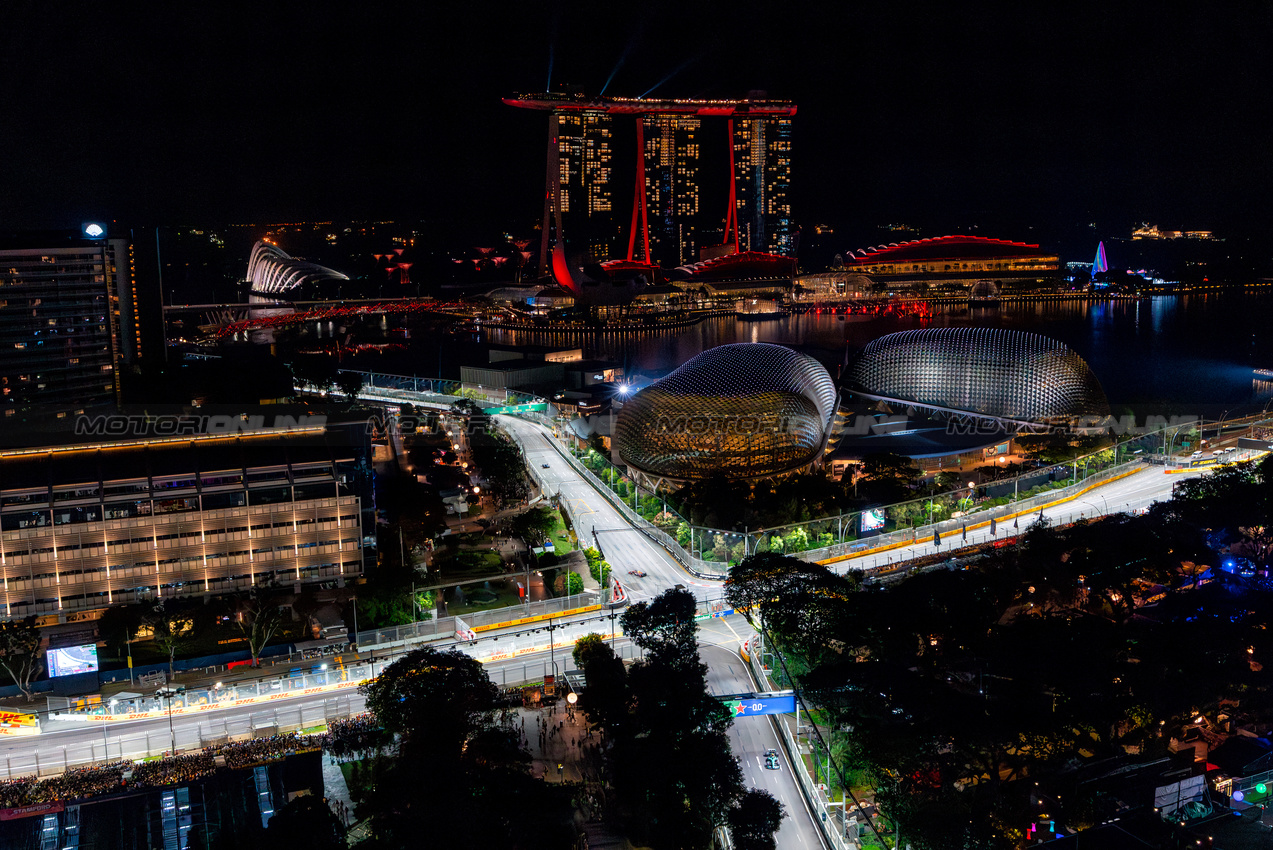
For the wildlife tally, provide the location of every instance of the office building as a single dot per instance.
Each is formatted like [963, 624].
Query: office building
[69, 323]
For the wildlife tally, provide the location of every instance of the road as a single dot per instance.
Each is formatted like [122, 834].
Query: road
[750, 738]
[624, 547]
[1135, 492]
[627, 549]
[64, 743]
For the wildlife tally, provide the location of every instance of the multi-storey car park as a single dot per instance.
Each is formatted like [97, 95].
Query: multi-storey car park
[89, 525]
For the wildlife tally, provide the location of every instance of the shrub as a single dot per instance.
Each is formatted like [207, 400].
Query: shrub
[568, 583]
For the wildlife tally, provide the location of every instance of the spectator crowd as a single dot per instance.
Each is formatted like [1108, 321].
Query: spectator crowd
[351, 738]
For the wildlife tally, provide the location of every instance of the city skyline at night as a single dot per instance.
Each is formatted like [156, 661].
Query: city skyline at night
[942, 118]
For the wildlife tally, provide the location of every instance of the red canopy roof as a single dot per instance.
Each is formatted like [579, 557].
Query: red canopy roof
[943, 248]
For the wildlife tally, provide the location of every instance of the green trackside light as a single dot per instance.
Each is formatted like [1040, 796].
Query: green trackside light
[1261, 788]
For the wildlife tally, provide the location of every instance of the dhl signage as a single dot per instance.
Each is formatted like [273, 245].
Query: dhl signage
[17, 718]
[18, 723]
[504, 656]
[211, 706]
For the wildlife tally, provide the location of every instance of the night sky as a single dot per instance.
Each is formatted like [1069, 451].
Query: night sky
[942, 116]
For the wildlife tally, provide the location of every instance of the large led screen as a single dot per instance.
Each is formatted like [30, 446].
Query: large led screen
[69, 660]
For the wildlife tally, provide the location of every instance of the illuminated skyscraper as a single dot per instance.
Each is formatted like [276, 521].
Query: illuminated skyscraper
[672, 149]
[585, 153]
[762, 171]
[672, 141]
[69, 315]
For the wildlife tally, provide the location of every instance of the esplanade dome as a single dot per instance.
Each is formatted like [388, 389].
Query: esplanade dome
[994, 372]
[745, 410]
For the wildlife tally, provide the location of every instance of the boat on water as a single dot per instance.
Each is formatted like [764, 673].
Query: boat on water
[984, 293]
[757, 310]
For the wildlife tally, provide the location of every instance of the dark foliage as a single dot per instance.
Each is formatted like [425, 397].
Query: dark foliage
[958, 685]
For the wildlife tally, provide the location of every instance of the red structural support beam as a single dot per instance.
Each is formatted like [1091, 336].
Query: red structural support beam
[731, 218]
[639, 206]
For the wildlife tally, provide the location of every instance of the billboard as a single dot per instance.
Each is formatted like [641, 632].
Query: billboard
[69, 660]
[779, 703]
[872, 520]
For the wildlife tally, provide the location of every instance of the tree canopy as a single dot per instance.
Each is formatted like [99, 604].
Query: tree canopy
[947, 689]
[670, 760]
[435, 700]
[500, 462]
[20, 652]
[533, 525]
[258, 620]
[754, 820]
[459, 775]
[172, 624]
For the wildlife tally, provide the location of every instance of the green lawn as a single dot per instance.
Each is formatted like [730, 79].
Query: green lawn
[501, 594]
[461, 564]
[559, 536]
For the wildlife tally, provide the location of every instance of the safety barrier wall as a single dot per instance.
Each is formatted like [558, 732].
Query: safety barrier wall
[273, 716]
[1019, 511]
[443, 628]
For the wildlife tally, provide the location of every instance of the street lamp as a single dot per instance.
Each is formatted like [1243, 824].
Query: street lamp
[613, 617]
[1220, 426]
[552, 661]
[106, 741]
[622, 390]
[354, 602]
[168, 694]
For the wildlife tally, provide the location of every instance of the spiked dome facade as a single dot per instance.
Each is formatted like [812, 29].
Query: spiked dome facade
[1002, 374]
[745, 411]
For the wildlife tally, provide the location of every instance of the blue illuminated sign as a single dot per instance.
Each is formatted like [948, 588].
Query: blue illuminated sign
[762, 704]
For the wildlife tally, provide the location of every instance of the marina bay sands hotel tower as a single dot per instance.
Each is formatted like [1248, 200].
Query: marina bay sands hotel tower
[669, 226]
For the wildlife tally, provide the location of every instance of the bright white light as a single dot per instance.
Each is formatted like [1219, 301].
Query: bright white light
[93, 230]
